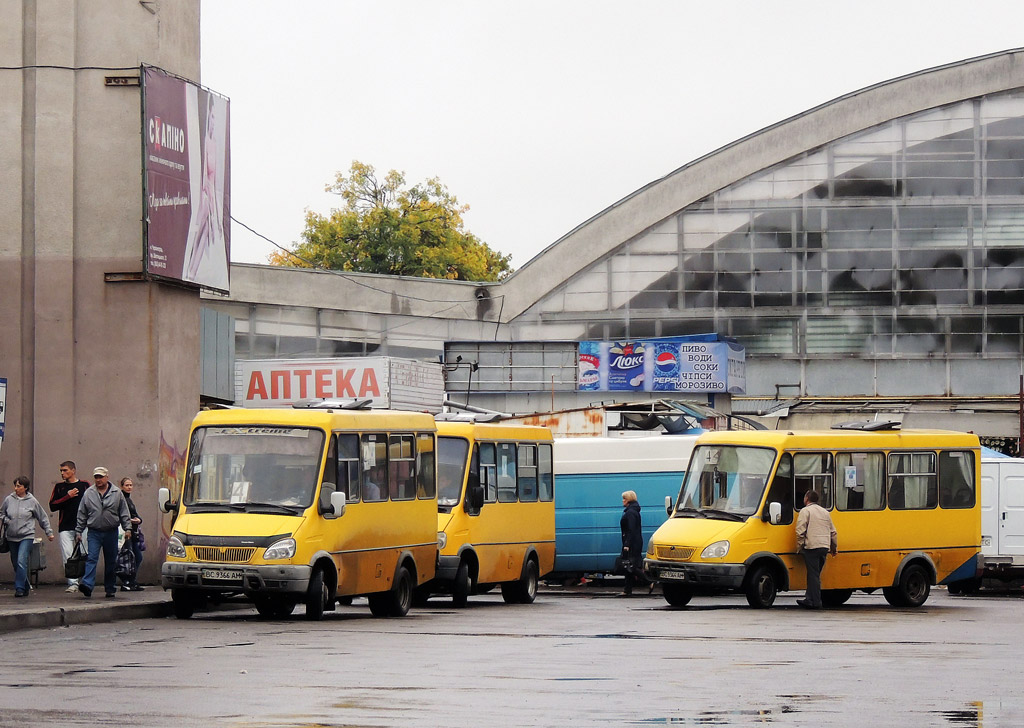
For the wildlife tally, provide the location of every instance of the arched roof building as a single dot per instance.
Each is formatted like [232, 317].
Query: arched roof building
[870, 247]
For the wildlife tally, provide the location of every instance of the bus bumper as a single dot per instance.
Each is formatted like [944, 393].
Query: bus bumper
[235, 579]
[705, 576]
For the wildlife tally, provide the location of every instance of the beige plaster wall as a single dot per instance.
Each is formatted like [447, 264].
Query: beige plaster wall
[98, 372]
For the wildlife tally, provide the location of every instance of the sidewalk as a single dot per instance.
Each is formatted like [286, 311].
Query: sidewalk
[50, 606]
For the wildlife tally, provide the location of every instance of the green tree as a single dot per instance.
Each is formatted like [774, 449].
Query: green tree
[385, 227]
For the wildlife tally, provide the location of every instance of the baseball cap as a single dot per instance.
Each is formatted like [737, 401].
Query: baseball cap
[99, 470]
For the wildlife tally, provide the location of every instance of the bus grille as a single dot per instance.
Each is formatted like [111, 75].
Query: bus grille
[224, 554]
[674, 553]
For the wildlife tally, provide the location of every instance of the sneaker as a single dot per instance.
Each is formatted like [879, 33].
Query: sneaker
[19, 593]
[126, 588]
[110, 595]
[86, 591]
[138, 587]
[72, 589]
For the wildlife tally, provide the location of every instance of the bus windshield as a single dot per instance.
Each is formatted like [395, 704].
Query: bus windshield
[253, 468]
[451, 469]
[724, 481]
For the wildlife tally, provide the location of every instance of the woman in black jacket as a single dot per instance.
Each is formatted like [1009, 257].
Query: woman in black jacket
[632, 540]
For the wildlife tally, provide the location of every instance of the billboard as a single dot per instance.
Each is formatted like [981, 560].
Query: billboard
[187, 177]
[671, 364]
[388, 382]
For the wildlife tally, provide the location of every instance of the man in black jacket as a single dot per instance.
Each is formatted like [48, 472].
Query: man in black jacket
[65, 499]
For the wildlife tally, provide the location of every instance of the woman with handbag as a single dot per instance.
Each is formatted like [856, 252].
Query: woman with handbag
[131, 580]
[632, 541]
[19, 513]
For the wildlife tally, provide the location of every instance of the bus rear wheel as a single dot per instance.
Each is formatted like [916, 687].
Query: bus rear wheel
[835, 597]
[523, 591]
[395, 602]
[761, 588]
[676, 594]
[912, 590]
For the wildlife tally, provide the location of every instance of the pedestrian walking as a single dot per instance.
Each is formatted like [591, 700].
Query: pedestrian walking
[20, 512]
[815, 537]
[103, 509]
[65, 499]
[632, 555]
[135, 544]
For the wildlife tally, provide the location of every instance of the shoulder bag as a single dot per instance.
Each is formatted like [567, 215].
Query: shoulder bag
[74, 567]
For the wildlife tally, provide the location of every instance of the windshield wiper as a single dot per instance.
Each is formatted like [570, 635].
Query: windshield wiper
[692, 512]
[209, 507]
[272, 507]
[726, 514]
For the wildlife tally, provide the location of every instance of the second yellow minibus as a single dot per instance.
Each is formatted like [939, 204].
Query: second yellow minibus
[311, 506]
[496, 510]
[904, 503]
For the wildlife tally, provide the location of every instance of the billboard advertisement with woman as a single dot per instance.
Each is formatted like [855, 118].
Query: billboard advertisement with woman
[187, 165]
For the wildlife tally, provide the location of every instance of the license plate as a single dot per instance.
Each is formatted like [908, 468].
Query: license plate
[221, 575]
[672, 575]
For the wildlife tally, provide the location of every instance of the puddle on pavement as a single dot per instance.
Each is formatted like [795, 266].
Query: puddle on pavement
[969, 715]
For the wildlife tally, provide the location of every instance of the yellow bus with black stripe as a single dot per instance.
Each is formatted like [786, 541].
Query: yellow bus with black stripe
[312, 505]
[904, 503]
[496, 509]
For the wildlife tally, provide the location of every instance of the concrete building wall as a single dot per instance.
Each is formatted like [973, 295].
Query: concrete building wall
[99, 372]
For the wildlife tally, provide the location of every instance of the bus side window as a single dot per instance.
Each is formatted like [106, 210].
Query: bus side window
[527, 472]
[507, 490]
[374, 470]
[782, 489]
[348, 467]
[426, 486]
[913, 481]
[956, 479]
[813, 470]
[859, 481]
[546, 473]
[401, 470]
[488, 471]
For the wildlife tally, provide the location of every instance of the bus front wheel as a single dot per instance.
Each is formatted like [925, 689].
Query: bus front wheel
[184, 603]
[316, 596]
[274, 607]
[761, 587]
[676, 595]
[463, 585]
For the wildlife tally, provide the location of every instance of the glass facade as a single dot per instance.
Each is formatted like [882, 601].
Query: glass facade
[902, 241]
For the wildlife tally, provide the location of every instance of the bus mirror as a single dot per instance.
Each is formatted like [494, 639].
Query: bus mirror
[668, 505]
[163, 500]
[338, 502]
[775, 513]
[475, 497]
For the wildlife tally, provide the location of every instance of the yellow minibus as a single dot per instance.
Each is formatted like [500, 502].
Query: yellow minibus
[311, 505]
[496, 509]
[904, 503]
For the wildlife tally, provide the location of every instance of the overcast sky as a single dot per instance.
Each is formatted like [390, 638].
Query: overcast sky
[538, 114]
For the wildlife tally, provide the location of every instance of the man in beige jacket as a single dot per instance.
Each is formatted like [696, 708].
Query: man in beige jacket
[815, 537]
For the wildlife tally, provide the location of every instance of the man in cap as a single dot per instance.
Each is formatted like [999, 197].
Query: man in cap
[103, 509]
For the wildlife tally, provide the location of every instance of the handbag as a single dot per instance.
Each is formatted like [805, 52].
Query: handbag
[5, 545]
[74, 567]
[141, 539]
[623, 565]
[126, 562]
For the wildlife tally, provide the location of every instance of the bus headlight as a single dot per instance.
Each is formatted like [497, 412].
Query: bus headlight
[442, 539]
[175, 548]
[283, 549]
[716, 550]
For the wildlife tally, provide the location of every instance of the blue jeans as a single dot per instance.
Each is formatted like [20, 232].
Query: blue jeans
[105, 541]
[20, 551]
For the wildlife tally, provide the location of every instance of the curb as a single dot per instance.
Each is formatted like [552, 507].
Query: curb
[51, 617]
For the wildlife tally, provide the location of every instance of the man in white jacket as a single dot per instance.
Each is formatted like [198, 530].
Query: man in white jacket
[816, 538]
